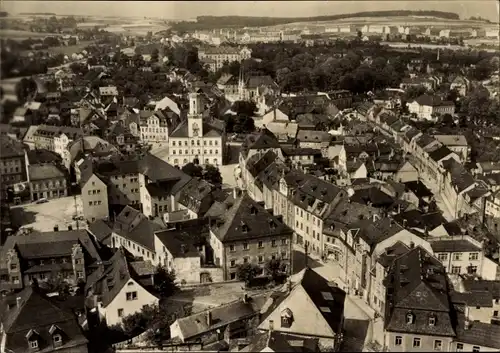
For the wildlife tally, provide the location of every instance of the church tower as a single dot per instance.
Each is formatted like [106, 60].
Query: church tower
[195, 115]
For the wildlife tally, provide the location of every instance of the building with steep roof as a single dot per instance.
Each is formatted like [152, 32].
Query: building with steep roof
[199, 139]
[313, 308]
[248, 233]
[39, 256]
[216, 56]
[12, 161]
[428, 107]
[119, 288]
[33, 322]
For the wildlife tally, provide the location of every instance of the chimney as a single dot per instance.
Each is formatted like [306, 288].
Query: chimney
[412, 245]
[404, 223]
[209, 318]
[271, 325]
[183, 248]
[245, 298]
[18, 301]
[466, 324]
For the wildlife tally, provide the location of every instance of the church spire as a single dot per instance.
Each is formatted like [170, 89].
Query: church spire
[241, 83]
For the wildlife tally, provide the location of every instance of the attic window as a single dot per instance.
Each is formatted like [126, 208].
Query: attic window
[272, 224]
[432, 320]
[327, 295]
[244, 228]
[253, 210]
[286, 318]
[410, 318]
[325, 309]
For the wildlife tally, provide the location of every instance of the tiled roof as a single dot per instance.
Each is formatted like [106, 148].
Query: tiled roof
[452, 140]
[424, 140]
[194, 325]
[472, 285]
[107, 281]
[392, 253]
[102, 231]
[184, 238]
[418, 285]
[472, 299]
[264, 139]
[44, 172]
[245, 220]
[453, 245]
[196, 195]
[257, 163]
[461, 179]
[440, 153]
[478, 333]
[313, 136]
[418, 188]
[10, 147]
[41, 315]
[432, 101]
[49, 244]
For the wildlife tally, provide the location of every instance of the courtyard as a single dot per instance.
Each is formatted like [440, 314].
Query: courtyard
[44, 217]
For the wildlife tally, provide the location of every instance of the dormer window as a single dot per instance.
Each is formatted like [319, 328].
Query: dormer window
[286, 318]
[432, 320]
[410, 318]
[32, 337]
[33, 344]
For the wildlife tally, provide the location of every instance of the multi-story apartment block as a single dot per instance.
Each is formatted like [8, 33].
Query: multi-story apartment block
[145, 181]
[12, 161]
[429, 107]
[312, 200]
[248, 233]
[40, 256]
[463, 255]
[33, 322]
[47, 181]
[418, 313]
[154, 127]
[217, 56]
[457, 144]
[198, 139]
[488, 289]
[56, 138]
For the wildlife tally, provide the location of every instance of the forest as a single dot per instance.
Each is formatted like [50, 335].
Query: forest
[212, 22]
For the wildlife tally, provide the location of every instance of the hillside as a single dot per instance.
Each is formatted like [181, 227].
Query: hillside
[211, 22]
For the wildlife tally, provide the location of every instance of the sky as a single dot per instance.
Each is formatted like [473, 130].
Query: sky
[182, 10]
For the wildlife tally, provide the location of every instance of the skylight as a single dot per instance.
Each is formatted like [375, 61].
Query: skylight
[327, 295]
[325, 309]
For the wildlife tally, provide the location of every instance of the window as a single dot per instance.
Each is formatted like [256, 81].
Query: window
[457, 256]
[232, 275]
[131, 296]
[460, 347]
[245, 260]
[438, 345]
[398, 341]
[455, 270]
[283, 255]
[33, 344]
[409, 318]
[120, 312]
[261, 259]
[231, 247]
[273, 242]
[472, 269]
[233, 263]
[432, 321]
[443, 257]
[13, 267]
[473, 256]
[476, 349]
[245, 246]
[416, 342]
[261, 245]
[15, 279]
[57, 338]
[495, 313]
[283, 241]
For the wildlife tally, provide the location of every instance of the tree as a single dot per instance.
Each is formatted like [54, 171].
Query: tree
[78, 68]
[164, 282]
[139, 321]
[56, 283]
[155, 55]
[25, 89]
[246, 272]
[275, 268]
[413, 92]
[193, 170]
[212, 175]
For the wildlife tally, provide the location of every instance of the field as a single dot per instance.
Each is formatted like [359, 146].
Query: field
[20, 35]
[71, 48]
[393, 21]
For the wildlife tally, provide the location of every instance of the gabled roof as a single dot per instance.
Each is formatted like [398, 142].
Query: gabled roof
[440, 153]
[197, 324]
[196, 195]
[182, 239]
[418, 285]
[264, 139]
[37, 314]
[247, 219]
[107, 281]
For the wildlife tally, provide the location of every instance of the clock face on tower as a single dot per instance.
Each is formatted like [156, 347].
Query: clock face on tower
[196, 129]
